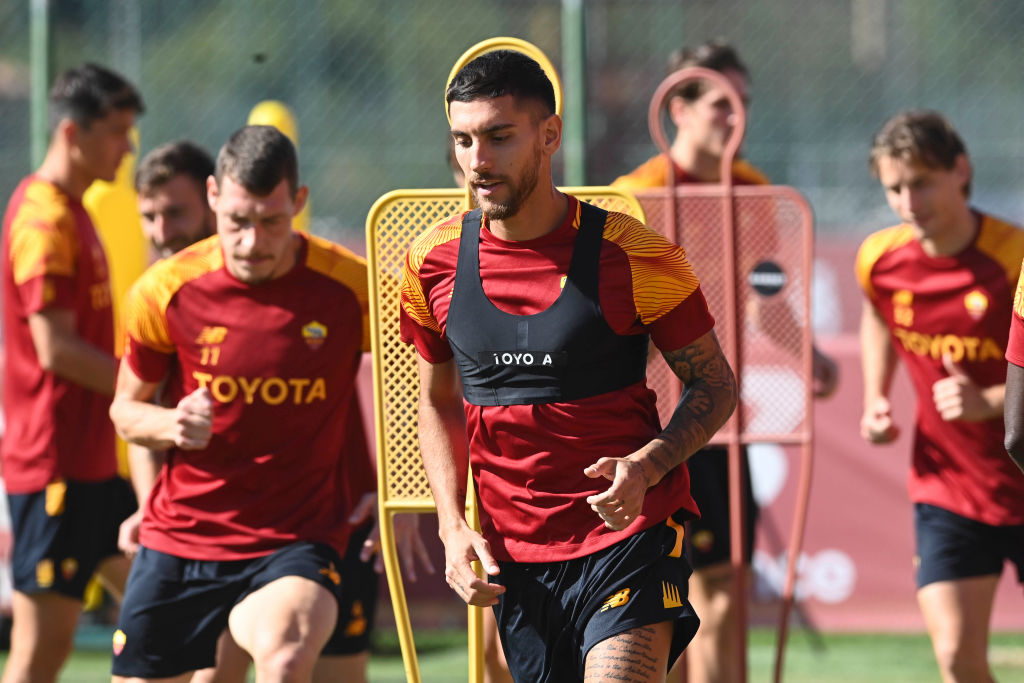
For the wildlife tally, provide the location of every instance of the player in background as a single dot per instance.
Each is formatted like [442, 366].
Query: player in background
[703, 117]
[59, 462]
[247, 520]
[171, 182]
[939, 296]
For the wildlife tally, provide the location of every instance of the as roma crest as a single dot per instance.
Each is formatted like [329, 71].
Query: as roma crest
[315, 334]
[976, 304]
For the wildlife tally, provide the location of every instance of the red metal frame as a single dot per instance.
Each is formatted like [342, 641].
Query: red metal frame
[731, 434]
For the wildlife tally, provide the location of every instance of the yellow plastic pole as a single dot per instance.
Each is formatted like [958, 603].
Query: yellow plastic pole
[276, 113]
[114, 209]
[506, 43]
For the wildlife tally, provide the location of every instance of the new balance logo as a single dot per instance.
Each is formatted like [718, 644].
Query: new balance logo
[212, 335]
[670, 595]
[617, 600]
[332, 574]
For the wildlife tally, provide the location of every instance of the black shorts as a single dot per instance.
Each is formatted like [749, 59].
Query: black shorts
[62, 533]
[174, 609]
[553, 613]
[708, 538]
[357, 604]
[951, 547]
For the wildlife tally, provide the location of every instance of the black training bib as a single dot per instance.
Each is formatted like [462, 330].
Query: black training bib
[563, 353]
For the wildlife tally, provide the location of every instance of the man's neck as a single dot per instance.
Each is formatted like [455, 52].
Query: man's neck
[955, 236]
[696, 164]
[58, 169]
[542, 212]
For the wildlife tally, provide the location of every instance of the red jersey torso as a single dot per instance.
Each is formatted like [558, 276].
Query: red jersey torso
[528, 460]
[279, 359]
[957, 306]
[53, 259]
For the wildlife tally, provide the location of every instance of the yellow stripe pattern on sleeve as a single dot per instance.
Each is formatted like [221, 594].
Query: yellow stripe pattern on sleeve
[662, 276]
[341, 265]
[414, 300]
[145, 308]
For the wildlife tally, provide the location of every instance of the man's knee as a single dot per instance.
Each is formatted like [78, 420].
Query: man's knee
[715, 578]
[958, 661]
[289, 661]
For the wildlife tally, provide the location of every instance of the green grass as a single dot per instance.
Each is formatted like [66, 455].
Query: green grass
[835, 658]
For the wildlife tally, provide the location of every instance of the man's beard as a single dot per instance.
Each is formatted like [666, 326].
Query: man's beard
[518, 192]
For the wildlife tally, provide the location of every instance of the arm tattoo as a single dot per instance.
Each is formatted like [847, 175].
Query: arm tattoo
[708, 399]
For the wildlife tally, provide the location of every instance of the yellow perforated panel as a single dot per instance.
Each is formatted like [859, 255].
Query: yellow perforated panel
[391, 226]
[394, 221]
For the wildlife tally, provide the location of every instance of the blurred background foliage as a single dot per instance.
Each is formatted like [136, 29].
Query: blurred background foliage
[365, 80]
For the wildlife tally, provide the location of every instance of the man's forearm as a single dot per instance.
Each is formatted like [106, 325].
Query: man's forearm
[1014, 413]
[445, 460]
[701, 411]
[143, 423]
[61, 351]
[706, 404]
[144, 464]
[86, 366]
[878, 359]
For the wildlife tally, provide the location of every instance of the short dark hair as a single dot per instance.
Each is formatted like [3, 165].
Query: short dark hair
[259, 158]
[716, 55]
[181, 157]
[89, 92]
[921, 136]
[502, 72]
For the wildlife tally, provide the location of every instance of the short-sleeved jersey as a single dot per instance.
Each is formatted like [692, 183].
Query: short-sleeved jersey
[528, 460]
[654, 172]
[280, 359]
[1015, 344]
[52, 260]
[957, 306]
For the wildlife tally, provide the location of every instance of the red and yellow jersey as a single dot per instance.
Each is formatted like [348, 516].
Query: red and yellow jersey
[1015, 344]
[280, 360]
[654, 173]
[52, 260]
[528, 460]
[957, 306]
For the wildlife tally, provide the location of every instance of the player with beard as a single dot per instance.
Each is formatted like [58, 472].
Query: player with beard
[532, 317]
[171, 184]
[249, 517]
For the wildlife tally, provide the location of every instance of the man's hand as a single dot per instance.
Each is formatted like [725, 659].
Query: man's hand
[193, 420]
[128, 534]
[876, 425]
[407, 537]
[622, 503]
[462, 546]
[957, 397]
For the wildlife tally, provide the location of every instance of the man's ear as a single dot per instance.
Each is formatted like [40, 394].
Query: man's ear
[211, 192]
[301, 196]
[68, 131]
[962, 167]
[677, 110]
[551, 133]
